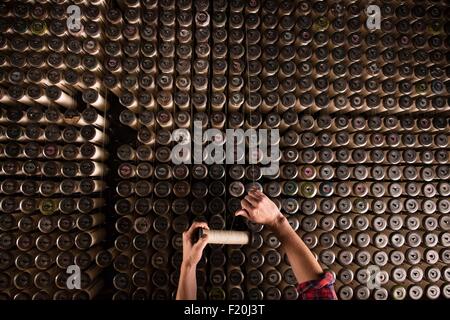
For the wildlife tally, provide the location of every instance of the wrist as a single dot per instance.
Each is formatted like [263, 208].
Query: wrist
[188, 266]
[277, 222]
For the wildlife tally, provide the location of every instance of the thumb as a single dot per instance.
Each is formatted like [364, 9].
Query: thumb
[201, 243]
[242, 213]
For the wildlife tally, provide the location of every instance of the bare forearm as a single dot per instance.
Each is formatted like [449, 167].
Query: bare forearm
[303, 262]
[187, 287]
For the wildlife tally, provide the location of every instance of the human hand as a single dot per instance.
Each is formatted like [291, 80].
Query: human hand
[258, 208]
[192, 252]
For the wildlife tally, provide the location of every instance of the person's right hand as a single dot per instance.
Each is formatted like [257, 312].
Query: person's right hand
[258, 208]
[192, 252]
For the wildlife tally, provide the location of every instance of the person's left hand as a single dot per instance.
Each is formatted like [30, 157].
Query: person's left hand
[192, 252]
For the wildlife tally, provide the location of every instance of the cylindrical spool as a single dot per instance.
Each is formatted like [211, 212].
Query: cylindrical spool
[225, 236]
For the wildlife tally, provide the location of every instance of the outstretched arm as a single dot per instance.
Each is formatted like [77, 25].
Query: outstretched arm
[257, 207]
[192, 253]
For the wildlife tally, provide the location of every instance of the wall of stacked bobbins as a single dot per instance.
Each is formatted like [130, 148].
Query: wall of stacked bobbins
[86, 117]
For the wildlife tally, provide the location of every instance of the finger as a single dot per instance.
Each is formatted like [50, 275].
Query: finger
[187, 242]
[201, 224]
[254, 196]
[201, 243]
[260, 194]
[195, 226]
[247, 206]
[256, 192]
[252, 200]
[242, 213]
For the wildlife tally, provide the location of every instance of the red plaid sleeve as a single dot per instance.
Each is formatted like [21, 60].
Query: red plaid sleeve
[321, 289]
